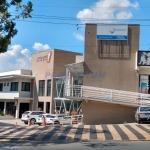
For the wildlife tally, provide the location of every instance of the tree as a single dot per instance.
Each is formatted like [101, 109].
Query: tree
[7, 20]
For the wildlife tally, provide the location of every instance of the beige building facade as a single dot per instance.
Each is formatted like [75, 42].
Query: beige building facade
[49, 70]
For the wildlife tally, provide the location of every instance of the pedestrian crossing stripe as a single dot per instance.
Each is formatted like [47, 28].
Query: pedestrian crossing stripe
[118, 132]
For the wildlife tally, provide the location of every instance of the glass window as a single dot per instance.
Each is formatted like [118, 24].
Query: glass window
[59, 87]
[14, 86]
[25, 86]
[48, 87]
[35, 113]
[1, 86]
[40, 106]
[41, 87]
[145, 109]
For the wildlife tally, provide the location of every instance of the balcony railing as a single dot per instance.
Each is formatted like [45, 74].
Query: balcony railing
[107, 95]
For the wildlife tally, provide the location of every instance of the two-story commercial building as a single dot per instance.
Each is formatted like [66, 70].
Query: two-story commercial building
[16, 92]
[106, 84]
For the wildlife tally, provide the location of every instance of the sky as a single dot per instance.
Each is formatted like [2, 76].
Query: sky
[61, 24]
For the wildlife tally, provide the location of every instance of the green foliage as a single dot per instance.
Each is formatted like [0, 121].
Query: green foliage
[1, 113]
[7, 20]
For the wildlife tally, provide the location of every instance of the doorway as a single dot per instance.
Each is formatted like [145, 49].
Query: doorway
[1, 106]
[23, 107]
[10, 108]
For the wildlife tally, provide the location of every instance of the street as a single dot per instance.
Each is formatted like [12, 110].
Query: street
[74, 146]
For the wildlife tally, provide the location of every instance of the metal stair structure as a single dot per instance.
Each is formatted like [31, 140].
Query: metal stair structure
[82, 92]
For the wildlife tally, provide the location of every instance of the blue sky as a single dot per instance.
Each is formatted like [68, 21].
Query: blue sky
[53, 25]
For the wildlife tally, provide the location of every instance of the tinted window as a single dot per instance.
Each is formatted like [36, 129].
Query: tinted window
[48, 87]
[35, 113]
[49, 116]
[41, 87]
[14, 86]
[25, 86]
[26, 112]
[1, 86]
[145, 109]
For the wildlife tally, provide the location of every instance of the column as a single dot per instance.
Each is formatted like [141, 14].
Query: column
[4, 108]
[17, 110]
[44, 106]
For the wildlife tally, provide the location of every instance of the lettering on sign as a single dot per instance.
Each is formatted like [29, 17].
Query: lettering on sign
[45, 58]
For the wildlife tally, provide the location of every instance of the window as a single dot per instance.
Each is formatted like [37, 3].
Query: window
[25, 86]
[48, 87]
[1, 86]
[41, 87]
[40, 106]
[145, 109]
[14, 86]
[35, 113]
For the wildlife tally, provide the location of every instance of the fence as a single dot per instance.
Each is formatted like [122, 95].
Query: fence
[75, 119]
[107, 95]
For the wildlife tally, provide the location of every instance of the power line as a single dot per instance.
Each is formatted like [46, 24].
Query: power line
[88, 6]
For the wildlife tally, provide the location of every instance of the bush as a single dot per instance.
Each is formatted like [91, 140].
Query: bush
[1, 113]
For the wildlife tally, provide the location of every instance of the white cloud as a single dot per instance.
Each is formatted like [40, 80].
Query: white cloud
[108, 9]
[15, 58]
[41, 47]
[78, 36]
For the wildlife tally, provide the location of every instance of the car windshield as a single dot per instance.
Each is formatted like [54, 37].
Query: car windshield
[145, 109]
[25, 113]
[50, 116]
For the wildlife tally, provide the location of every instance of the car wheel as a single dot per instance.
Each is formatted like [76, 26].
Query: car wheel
[56, 122]
[25, 122]
[39, 124]
[138, 121]
[32, 121]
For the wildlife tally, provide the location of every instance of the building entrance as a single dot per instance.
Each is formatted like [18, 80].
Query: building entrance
[23, 107]
[1, 106]
[10, 108]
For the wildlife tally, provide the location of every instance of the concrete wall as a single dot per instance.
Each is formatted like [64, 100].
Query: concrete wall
[16, 72]
[105, 113]
[119, 70]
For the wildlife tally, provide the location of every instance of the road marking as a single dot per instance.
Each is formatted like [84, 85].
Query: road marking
[25, 136]
[145, 134]
[43, 133]
[100, 133]
[11, 136]
[128, 132]
[8, 131]
[71, 134]
[146, 126]
[114, 133]
[57, 133]
[86, 132]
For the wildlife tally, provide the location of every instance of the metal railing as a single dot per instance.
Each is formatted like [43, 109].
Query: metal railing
[75, 119]
[107, 95]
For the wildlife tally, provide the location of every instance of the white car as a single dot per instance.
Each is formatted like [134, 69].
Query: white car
[31, 115]
[142, 114]
[50, 118]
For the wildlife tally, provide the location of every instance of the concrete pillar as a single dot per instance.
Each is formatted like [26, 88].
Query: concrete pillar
[17, 110]
[44, 107]
[4, 108]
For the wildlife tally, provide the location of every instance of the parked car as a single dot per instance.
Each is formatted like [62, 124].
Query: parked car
[31, 115]
[142, 114]
[50, 118]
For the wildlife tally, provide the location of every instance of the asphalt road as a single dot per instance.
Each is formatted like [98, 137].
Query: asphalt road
[75, 146]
